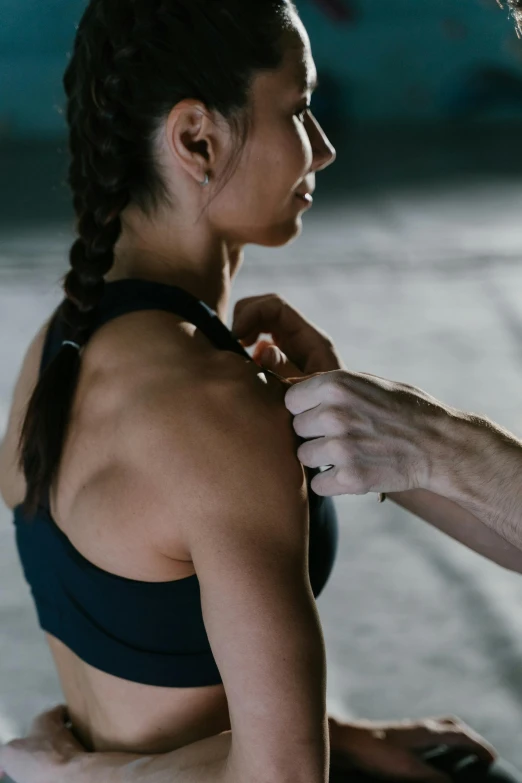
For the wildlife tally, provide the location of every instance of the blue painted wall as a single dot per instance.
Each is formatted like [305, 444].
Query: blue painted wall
[35, 36]
[410, 59]
[399, 60]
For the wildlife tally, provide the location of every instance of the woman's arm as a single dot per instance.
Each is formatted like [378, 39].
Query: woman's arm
[243, 518]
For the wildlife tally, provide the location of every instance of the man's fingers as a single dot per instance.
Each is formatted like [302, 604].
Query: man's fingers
[332, 483]
[308, 393]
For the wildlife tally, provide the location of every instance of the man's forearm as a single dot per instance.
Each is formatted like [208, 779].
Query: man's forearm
[478, 465]
[461, 525]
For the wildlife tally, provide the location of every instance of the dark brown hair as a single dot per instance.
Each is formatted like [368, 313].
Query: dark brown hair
[132, 62]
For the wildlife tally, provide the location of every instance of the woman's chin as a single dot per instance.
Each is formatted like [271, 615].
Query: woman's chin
[284, 233]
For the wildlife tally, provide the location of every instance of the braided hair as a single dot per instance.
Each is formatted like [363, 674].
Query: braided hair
[132, 62]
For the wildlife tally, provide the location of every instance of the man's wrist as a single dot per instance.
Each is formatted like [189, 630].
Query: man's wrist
[457, 438]
[468, 451]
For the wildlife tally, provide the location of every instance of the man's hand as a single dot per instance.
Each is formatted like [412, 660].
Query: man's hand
[391, 750]
[40, 757]
[457, 470]
[376, 435]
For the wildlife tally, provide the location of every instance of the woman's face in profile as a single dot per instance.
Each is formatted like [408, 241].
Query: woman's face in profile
[285, 148]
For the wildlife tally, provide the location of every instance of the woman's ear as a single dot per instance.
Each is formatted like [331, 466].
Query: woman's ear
[193, 138]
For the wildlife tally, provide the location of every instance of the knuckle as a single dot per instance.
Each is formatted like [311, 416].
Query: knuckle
[339, 450]
[333, 417]
[362, 482]
[335, 389]
[352, 477]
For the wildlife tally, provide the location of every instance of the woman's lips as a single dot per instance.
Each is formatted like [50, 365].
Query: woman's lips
[306, 198]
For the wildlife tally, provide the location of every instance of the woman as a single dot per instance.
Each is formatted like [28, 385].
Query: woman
[178, 607]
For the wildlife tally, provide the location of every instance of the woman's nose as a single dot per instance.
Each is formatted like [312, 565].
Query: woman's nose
[324, 152]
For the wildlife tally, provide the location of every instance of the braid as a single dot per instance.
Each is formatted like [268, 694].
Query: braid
[98, 178]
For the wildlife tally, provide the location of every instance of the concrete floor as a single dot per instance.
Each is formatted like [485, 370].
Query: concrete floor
[411, 262]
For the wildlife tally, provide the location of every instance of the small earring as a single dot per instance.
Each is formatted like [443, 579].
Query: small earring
[205, 181]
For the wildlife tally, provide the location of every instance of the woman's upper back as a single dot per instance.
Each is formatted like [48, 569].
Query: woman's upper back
[99, 497]
[106, 503]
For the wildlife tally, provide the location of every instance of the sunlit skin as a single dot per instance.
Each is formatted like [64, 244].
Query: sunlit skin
[202, 249]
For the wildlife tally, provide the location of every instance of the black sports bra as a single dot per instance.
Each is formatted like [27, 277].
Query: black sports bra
[151, 633]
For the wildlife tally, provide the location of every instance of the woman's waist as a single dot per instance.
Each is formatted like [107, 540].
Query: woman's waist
[112, 714]
[151, 721]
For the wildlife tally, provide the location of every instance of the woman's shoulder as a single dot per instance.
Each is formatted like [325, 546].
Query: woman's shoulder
[188, 391]
[151, 370]
[213, 451]
[191, 430]
[147, 353]
[224, 400]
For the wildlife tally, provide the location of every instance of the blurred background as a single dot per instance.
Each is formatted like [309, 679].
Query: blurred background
[410, 259]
